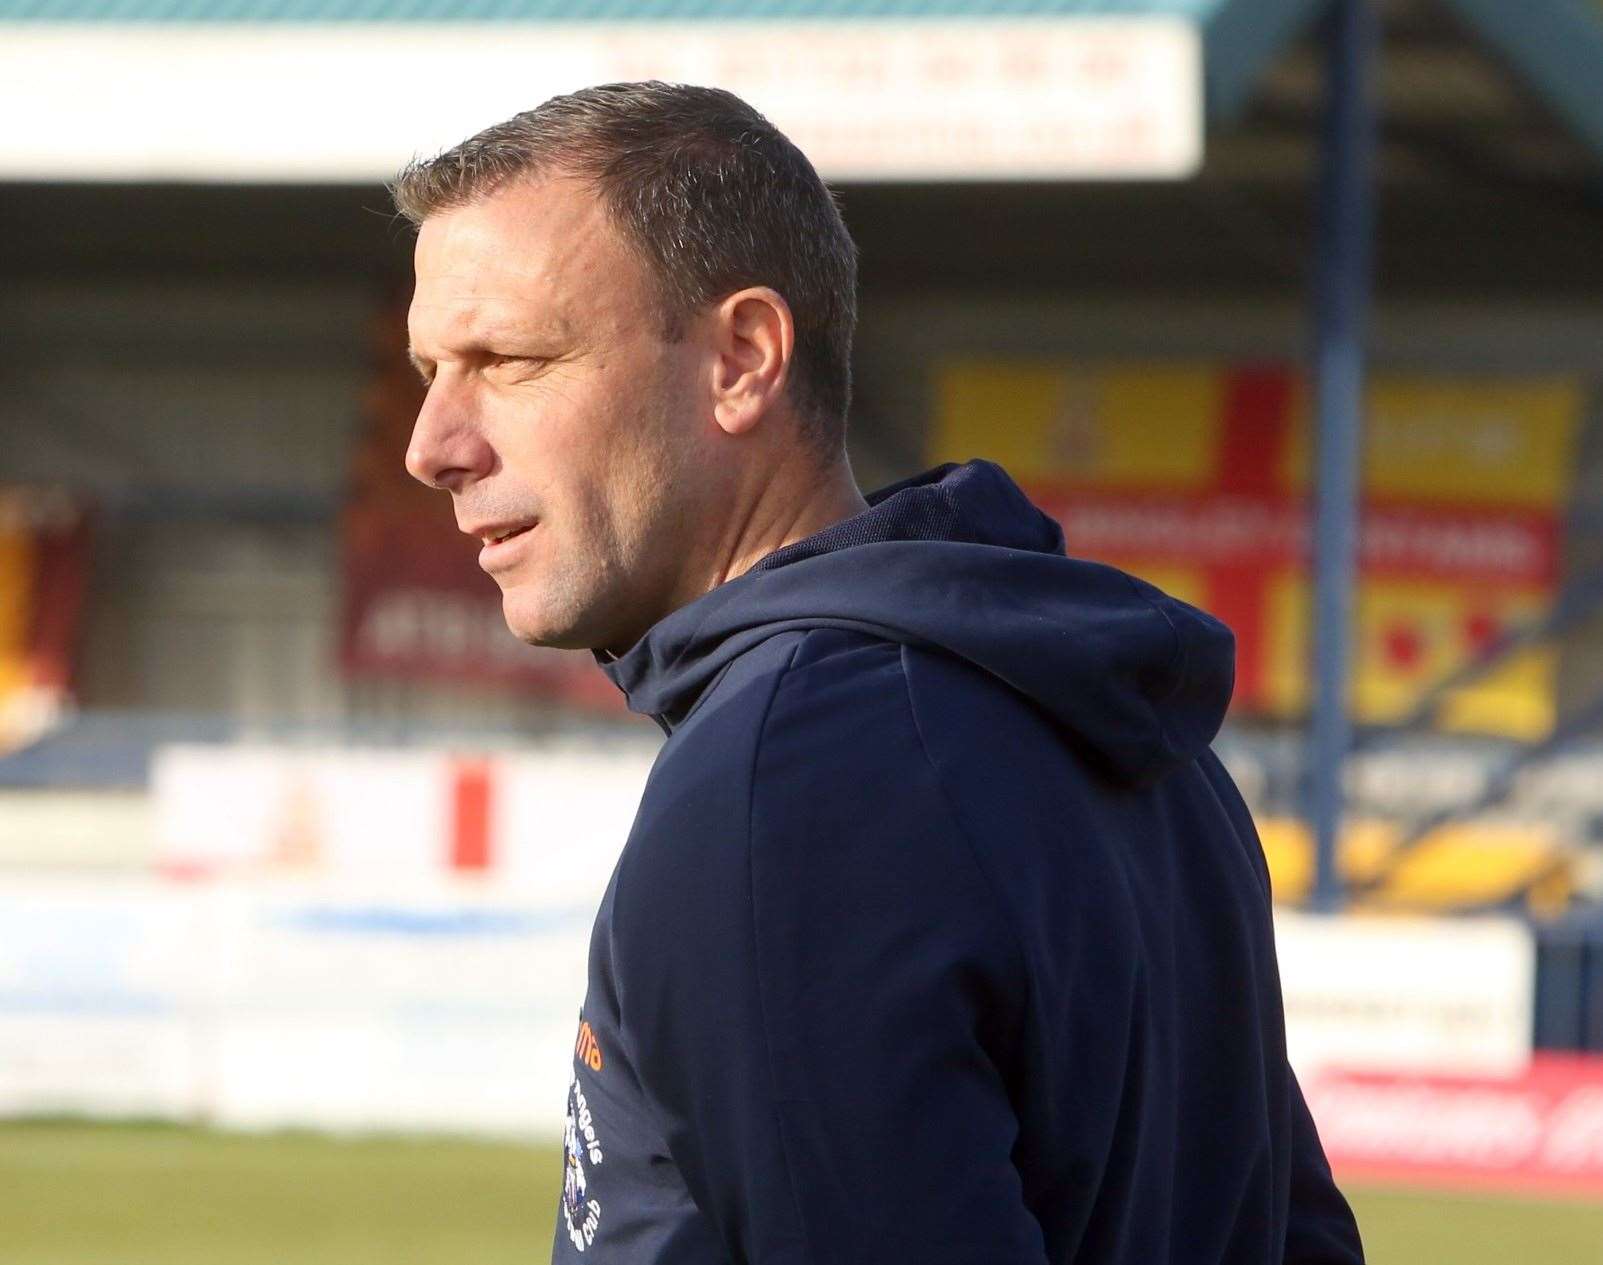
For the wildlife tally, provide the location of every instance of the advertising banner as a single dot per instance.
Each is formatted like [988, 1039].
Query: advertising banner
[1195, 476]
[44, 571]
[1383, 992]
[971, 97]
[416, 605]
[1539, 1131]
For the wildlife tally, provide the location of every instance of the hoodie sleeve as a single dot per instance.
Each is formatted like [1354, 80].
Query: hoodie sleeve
[1320, 1229]
[821, 997]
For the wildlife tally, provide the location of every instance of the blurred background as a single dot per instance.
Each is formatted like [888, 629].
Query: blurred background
[1294, 307]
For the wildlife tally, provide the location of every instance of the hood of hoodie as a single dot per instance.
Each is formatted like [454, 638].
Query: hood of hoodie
[958, 560]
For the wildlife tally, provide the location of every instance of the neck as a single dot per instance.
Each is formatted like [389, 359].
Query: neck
[796, 502]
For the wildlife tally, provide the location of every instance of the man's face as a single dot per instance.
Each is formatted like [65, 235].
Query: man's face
[563, 425]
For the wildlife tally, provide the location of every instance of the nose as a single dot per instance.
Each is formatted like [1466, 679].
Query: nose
[448, 449]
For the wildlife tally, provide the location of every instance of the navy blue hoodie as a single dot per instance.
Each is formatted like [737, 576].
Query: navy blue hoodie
[941, 937]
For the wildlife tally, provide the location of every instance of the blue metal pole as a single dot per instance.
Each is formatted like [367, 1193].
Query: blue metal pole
[1346, 233]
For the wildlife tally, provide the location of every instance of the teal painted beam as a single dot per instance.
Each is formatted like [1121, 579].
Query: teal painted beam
[1556, 46]
[302, 11]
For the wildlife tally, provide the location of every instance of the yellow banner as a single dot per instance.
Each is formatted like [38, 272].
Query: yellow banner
[1195, 476]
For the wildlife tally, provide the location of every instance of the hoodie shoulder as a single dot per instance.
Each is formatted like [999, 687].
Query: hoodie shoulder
[846, 794]
[808, 692]
[706, 765]
[802, 769]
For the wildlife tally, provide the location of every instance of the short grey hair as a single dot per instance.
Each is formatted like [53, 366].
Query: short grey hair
[710, 194]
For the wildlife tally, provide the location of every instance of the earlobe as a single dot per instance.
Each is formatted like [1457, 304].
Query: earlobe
[733, 419]
[756, 340]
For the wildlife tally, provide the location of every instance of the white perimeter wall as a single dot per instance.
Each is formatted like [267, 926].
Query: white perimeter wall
[367, 984]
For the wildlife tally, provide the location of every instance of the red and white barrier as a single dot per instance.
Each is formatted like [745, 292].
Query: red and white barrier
[1540, 1132]
[549, 821]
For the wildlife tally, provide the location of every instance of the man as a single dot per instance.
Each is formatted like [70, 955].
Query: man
[941, 936]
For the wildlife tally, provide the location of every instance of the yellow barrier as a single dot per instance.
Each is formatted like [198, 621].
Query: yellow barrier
[1457, 867]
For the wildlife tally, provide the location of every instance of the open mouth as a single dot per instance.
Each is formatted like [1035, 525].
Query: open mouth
[516, 531]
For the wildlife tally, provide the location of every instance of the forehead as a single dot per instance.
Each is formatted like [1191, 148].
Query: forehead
[539, 257]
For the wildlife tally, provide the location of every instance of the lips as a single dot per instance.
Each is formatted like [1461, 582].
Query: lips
[503, 544]
[495, 533]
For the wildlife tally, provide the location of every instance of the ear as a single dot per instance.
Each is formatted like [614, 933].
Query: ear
[755, 335]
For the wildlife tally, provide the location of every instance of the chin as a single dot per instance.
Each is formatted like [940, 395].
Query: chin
[535, 632]
[534, 623]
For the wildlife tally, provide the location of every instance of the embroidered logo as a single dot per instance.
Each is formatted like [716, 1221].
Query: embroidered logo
[581, 1152]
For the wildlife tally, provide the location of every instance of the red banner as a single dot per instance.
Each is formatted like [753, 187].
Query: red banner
[1541, 1132]
[44, 571]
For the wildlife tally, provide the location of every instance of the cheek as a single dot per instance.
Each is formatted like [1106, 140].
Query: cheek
[541, 447]
[603, 449]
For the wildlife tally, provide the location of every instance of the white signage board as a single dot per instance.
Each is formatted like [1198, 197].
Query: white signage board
[1445, 996]
[100, 986]
[1046, 98]
[317, 1003]
[438, 1009]
[352, 1002]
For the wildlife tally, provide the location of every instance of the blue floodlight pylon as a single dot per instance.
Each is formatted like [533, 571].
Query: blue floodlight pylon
[1342, 299]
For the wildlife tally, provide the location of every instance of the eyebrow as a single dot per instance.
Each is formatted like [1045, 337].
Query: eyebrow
[483, 340]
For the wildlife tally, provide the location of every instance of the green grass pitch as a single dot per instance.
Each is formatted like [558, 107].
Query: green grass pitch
[74, 1193]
